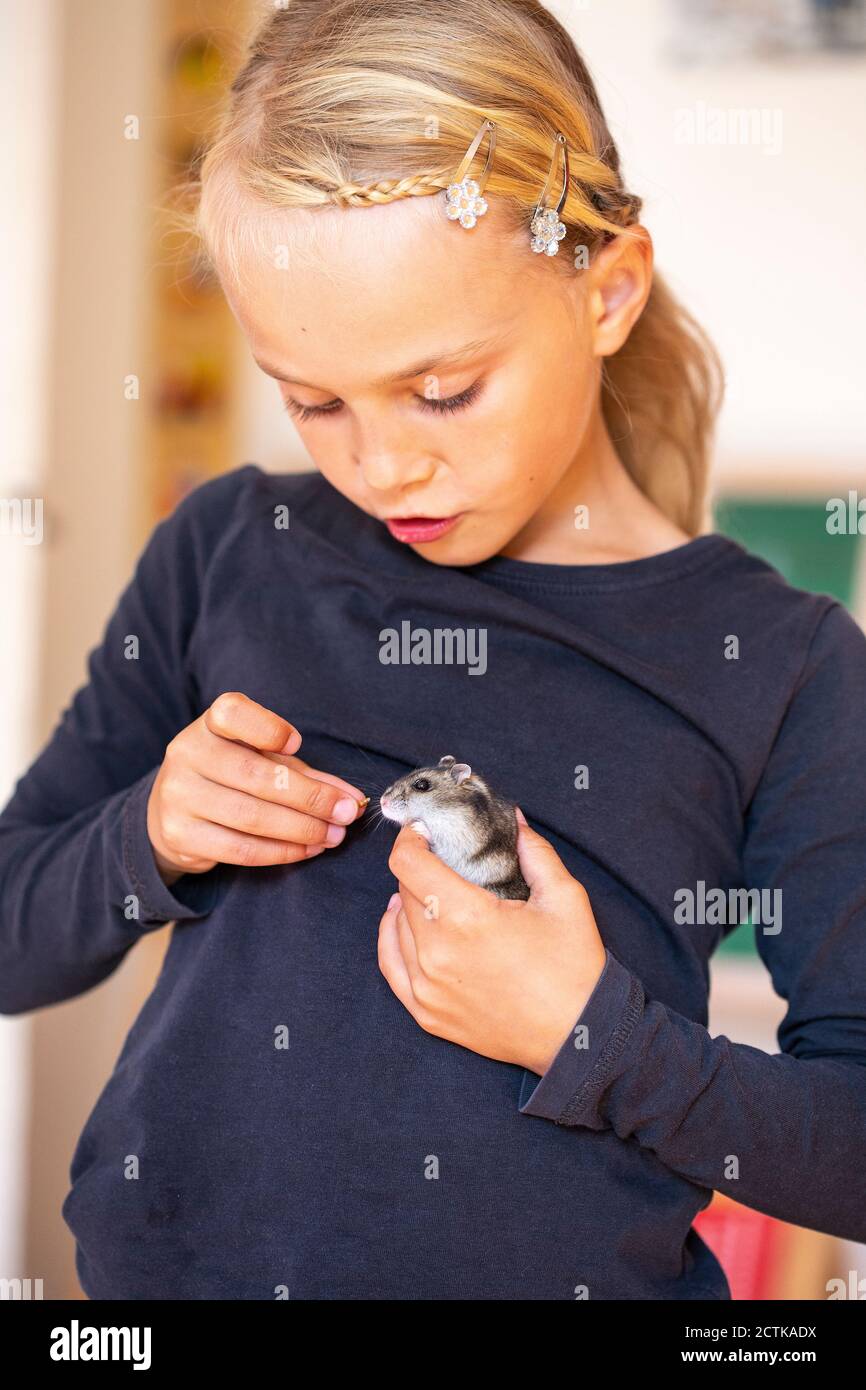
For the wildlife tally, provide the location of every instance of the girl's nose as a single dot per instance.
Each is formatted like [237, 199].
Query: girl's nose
[389, 454]
[391, 473]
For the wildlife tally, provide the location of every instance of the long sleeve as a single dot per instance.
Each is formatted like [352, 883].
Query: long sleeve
[782, 1133]
[78, 879]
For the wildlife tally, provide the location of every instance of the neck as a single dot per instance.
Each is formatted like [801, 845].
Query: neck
[596, 513]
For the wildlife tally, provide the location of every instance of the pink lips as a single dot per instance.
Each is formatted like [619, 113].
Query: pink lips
[419, 528]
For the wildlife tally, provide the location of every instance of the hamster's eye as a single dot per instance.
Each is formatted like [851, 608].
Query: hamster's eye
[421, 784]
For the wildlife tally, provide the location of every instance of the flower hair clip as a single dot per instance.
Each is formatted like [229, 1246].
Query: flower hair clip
[547, 230]
[464, 202]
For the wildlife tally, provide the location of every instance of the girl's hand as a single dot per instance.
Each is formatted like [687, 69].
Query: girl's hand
[229, 791]
[504, 978]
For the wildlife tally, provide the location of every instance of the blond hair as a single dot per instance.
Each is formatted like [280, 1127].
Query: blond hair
[356, 103]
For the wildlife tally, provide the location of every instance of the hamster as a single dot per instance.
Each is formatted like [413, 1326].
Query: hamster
[472, 830]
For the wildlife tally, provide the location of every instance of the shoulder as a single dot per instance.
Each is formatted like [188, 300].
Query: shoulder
[209, 518]
[838, 651]
[245, 493]
[787, 619]
[802, 654]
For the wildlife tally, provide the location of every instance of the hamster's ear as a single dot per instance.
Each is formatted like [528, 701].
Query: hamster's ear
[446, 761]
[460, 771]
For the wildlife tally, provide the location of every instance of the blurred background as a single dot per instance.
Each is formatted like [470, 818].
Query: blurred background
[125, 382]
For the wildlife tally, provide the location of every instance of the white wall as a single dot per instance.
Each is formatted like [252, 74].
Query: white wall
[28, 81]
[763, 247]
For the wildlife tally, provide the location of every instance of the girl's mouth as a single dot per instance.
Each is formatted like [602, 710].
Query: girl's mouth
[415, 529]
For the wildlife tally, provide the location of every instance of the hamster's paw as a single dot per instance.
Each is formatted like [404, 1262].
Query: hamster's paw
[421, 828]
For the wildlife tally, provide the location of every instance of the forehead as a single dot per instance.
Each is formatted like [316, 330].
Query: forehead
[315, 288]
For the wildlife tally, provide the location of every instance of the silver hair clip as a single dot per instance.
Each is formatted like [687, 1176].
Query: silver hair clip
[463, 197]
[547, 230]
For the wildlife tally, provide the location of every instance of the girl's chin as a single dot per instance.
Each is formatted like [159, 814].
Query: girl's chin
[466, 546]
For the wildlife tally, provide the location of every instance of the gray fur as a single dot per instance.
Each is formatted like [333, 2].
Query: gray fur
[471, 828]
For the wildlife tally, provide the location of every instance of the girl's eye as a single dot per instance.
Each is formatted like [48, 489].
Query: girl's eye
[451, 403]
[310, 412]
[438, 406]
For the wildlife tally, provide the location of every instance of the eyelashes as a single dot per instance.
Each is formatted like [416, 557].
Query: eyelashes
[446, 406]
[452, 403]
[299, 412]
[310, 412]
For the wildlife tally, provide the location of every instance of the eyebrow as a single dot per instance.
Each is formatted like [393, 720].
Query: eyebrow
[442, 359]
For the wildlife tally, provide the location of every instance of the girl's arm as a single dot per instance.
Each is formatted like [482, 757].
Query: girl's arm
[784, 1134]
[78, 879]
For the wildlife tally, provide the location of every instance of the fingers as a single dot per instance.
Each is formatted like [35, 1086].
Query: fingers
[285, 781]
[332, 780]
[396, 949]
[424, 876]
[230, 791]
[330, 777]
[406, 938]
[540, 864]
[205, 841]
[235, 716]
[391, 962]
[252, 815]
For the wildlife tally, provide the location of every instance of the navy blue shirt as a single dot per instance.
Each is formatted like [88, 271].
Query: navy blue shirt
[368, 1159]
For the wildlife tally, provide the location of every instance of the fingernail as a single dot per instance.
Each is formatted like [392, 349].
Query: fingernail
[346, 810]
[336, 833]
[520, 816]
[393, 901]
[314, 849]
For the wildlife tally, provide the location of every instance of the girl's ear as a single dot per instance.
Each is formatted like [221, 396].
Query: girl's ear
[619, 289]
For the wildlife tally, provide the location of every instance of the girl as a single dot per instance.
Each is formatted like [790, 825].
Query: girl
[331, 1094]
